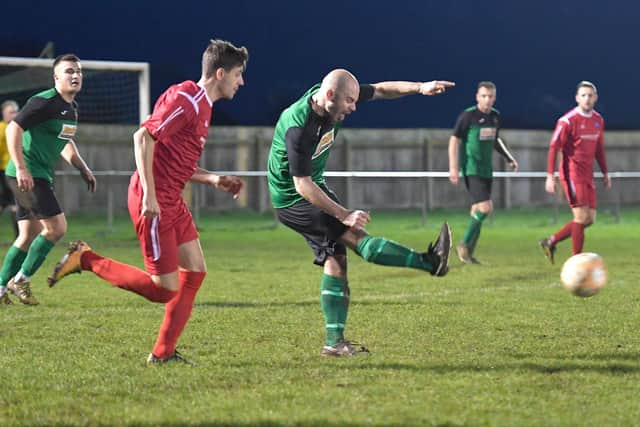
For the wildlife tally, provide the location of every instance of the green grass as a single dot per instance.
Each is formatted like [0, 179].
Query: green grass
[501, 344]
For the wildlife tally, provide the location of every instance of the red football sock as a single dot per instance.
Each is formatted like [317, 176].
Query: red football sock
[577, 237]
[563, 233]
[177, 312]
[126, 277]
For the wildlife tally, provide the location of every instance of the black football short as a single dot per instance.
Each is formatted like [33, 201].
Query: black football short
[39, 203]
[6, 195]
[479, 188]
[320, 230]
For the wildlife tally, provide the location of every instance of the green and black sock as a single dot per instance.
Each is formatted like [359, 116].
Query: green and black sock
[11, 265]
[334, 299]
[379, 250]
[38, 252]
[472, 233]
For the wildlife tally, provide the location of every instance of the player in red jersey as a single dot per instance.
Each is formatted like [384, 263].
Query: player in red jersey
[579, 136]
[167, 148]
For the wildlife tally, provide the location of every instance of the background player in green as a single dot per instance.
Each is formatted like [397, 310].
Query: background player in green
[41, 132]
[476, 130]
[301, 144]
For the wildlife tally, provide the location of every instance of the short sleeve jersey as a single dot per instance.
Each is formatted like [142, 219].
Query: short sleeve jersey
[301, 144]
[49, 122]
[4, 151]
[478, 132]
[580, 139]
[180, 125]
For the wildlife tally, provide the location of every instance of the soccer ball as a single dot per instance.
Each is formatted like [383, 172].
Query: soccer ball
[584, 274]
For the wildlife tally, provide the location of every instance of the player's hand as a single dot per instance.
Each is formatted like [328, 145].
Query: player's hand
[88, 177]
[150, 206]
[435, 87]
[454, 176]
[607, 181]
[550, 184]
[357, 219]
[514, 166]
[25, 180]
[230, 184]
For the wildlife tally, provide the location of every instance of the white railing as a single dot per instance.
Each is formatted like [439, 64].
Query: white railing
[352, 174]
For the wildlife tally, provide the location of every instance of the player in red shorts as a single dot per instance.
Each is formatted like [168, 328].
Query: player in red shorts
[579, 136]
[167, 149]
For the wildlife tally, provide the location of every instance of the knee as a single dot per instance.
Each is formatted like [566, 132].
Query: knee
[336, 266]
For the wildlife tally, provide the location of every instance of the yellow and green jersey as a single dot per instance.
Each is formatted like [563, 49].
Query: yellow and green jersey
[49, 122]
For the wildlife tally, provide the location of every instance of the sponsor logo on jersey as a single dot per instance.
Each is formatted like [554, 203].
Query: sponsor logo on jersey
[68, 131]
[487, 134]
[326, 141]
[590, 136]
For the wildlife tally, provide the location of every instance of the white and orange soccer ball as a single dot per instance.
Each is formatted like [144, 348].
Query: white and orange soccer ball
[584, 274]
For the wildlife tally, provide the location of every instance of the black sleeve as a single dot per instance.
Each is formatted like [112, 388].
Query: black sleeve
[32, 113]
[461, 128]
[366, 93]
[501, 147]
[299, 148]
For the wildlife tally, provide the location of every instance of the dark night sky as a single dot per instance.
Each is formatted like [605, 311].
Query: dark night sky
[535, 52]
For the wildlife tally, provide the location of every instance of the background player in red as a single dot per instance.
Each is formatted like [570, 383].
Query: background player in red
[167, 149]
[579, 136]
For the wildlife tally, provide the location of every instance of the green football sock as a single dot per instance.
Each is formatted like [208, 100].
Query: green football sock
[334, 298]
[379, 250]
[11, 264]
[38, 251]
[472, 233]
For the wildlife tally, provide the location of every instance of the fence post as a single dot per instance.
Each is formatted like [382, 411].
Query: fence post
[110, 205]
[348, 185]
[426, 183]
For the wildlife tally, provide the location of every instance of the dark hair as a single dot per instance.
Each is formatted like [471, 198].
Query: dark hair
[66, 57]
[487, 84]
[222, 54]
[586, 83]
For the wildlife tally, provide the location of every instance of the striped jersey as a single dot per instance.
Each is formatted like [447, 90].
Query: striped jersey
[180, 125]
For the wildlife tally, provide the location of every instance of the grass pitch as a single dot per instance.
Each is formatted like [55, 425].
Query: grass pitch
[500, 344]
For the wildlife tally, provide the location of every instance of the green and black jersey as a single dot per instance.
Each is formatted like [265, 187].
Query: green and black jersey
[301, 144]
[49, 122]
[478, 132]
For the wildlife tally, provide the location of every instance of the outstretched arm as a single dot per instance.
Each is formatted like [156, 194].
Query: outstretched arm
[71, 154]
[397, 89]
[230, 184]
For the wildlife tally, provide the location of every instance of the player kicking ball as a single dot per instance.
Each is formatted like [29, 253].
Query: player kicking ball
[301, 145]
[167, 149]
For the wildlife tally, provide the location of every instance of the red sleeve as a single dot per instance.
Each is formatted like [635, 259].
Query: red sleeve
[557, 141]
[600, 156]
[170, 114]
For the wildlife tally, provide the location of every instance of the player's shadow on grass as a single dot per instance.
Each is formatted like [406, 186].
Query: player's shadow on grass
[240, 304]
[557, 366]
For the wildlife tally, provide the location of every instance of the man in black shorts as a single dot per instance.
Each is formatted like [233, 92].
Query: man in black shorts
[301, 144]
[41, 132]
[471, 146]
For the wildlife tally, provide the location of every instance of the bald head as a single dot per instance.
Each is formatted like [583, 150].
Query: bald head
[339, 80]
[338, 94]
